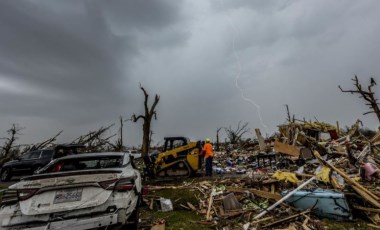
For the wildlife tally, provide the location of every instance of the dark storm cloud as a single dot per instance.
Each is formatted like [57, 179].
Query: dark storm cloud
[76, 65]
[71, 50]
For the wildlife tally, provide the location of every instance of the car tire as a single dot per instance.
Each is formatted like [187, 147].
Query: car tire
[6, 174]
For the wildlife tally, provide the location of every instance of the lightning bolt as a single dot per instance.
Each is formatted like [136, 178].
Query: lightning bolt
[237, 77]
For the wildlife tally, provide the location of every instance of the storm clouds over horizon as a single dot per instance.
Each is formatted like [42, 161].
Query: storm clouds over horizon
[76, 65]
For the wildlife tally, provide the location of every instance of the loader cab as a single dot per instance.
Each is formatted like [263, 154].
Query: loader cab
[175, 142]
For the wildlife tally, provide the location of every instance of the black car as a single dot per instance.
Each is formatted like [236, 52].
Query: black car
[28, 163]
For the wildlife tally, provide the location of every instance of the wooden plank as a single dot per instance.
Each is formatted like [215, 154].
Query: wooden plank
[304, 224]
[261, 140]
[268, 195]
[366, 196]
[185, 207]
[262, 220]
[373, 226]
[151, 204]
[375, 138]
[210, 201]
[286, 149]
[191, 206]
[286, 219]
[375, 210]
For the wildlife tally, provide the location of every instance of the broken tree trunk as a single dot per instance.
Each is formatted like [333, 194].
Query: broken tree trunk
[149, 114]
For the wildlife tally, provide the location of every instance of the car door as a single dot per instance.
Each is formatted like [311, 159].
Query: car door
[18, 165]
[27, 165]
[46, 157]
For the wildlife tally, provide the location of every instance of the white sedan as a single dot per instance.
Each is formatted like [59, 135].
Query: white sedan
[83, 191]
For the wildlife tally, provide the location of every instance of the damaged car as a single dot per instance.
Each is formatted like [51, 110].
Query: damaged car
[83, 191]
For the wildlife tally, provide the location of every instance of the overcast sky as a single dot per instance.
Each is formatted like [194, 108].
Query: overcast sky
[76, 65]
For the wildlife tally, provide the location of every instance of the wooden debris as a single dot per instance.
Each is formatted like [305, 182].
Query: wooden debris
[366, 209]
[261, 140]
[191, 206]
[268, 195]
[151, 204]
[304, 224]
[262, 220]
[373, 226]
[185, 207]
[211, 199]
[286, 219]
[365, 193]
[286, 149]
[158, 227]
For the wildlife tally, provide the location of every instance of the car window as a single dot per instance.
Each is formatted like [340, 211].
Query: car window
[26, 156]
[178, 143]
[75, 164]
[47, 154]
[35, 155]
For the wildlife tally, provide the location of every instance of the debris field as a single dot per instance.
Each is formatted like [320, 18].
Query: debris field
[305, 173]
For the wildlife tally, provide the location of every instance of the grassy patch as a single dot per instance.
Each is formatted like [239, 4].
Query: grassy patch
[179, 218]
[346, 225]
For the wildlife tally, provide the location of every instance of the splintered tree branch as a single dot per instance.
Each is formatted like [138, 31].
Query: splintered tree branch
[46, 142]
[94, 140]
[368, 95]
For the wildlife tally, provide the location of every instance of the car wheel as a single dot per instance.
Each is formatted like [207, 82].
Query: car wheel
[6, 174]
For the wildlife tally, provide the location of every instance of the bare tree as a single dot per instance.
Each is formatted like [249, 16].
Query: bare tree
[234, 135]
[13, 133]
[147, 119]
[367, 94]
[7, 152]
[217, 138]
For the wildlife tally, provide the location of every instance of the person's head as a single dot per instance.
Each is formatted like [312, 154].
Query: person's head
[207, 140]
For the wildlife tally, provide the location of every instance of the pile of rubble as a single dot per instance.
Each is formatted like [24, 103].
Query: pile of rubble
[309, 171]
